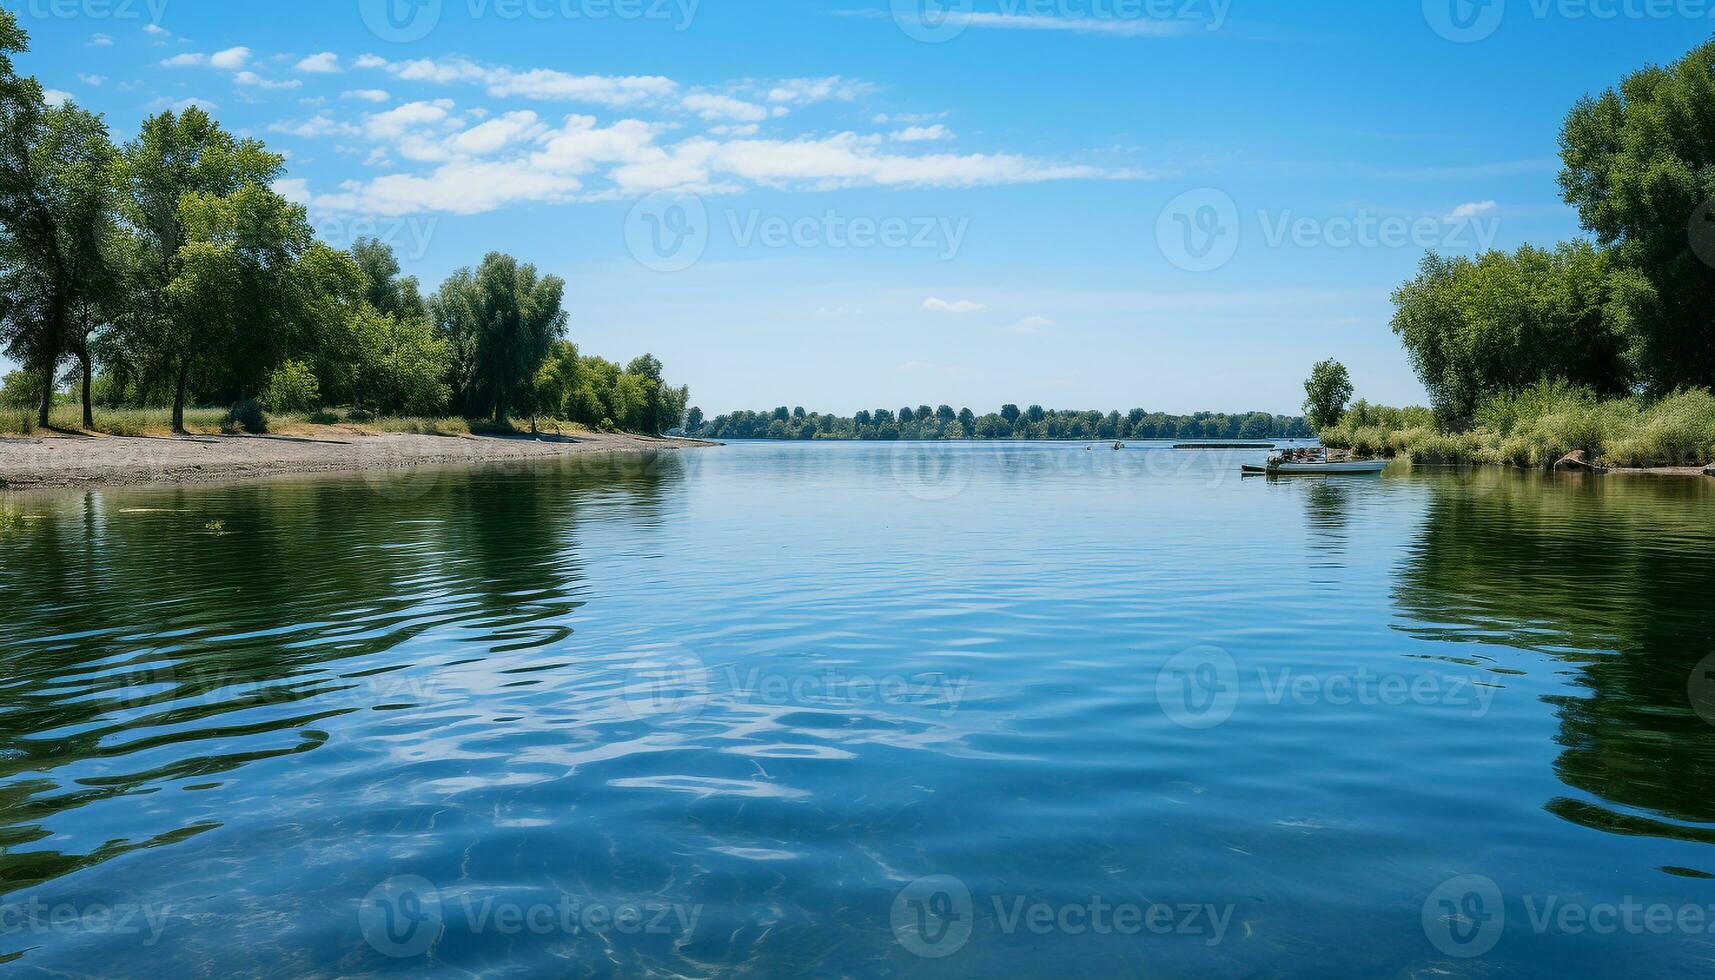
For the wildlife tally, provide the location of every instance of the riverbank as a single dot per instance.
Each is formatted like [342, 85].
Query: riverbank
[75, 461]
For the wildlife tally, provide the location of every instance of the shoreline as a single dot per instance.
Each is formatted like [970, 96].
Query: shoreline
[78, 461]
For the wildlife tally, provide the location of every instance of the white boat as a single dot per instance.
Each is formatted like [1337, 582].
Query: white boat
[1280, 466]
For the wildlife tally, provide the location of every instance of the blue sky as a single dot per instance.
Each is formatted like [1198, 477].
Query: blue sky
[1169, 204]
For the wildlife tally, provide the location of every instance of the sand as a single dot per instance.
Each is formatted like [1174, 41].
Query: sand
[70, 461]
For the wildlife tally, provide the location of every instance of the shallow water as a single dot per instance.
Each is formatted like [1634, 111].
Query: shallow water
[861, 710]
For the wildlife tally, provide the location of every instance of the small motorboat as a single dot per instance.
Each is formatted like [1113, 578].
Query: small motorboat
[1310, 463]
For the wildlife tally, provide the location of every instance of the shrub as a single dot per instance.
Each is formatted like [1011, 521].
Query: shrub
[247, 415]
[360, 416]
[293, 388]
[21, 389]
[322, 416]
[20, 422]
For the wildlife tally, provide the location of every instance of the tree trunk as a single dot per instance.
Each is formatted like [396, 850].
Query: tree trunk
[179, 395]
[47, 388]
[88, 405]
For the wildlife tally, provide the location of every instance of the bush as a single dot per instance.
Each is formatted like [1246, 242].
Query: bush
[247, 415]
[360, 416]
[293, 388]
[21, 389]
[19, 423]
[322, 416]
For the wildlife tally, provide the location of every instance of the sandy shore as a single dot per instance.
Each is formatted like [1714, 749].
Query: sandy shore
[108, 461]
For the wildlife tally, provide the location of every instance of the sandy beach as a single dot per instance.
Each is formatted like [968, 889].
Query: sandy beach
[71, 461]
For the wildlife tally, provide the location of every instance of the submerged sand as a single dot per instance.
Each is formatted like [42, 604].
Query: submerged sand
[61, 461]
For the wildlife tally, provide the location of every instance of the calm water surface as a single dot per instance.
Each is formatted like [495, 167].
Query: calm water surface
[861, 710]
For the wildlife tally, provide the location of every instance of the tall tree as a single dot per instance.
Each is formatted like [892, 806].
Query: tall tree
[55, 214]
[1326, 394]
[393, 294]
[499, 322]
[1640, 167]
[176, 156]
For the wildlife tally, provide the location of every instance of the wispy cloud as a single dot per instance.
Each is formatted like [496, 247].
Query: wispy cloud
[935, 304]
[1472, 210]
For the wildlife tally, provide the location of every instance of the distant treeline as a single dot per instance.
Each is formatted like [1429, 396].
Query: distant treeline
[1011, 422]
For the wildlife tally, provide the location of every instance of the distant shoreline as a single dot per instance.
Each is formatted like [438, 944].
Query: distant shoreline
[82, 461]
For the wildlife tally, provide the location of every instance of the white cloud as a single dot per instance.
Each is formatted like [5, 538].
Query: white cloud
[94, 81]
[804, 91]
[157, 30]
[316, 127]
[1031, 324]
[325, 63]
[495, 135]
[294, 189]
[959, 307]
[186, 60]
[55, 97]
[922, 134]
[1126, 27]
[231, 59]
[192, 103]
[396, 122]
[100, 41]
[459, 187]
[714, 107]
[254, 80]
[539, 83]
[1471, 210]
[367, 95]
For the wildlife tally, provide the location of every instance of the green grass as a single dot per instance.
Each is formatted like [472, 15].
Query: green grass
[1539, 426]
[159, 421]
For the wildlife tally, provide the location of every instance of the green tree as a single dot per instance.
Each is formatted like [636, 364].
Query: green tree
[499, 323]
[1501, 323]
[386, 290]
[694, 420]
[1639, 164]
[1326, 393]
[177, 157]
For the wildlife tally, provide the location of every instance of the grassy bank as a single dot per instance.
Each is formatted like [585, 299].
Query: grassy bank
[211, 421]
[1538, 427]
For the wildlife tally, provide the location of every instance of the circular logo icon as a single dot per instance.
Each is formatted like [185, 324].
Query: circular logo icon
[1465, 21]
[666, 686]
[1465, 916]
[667, 232]
[1701, 688]
[1199, 688]
[141, 684]
[1702, 233]
[932, 917]
[401, 917]
[932, 473]
[933, 21]
[1198, 231]
[403, 482]
[401, 21]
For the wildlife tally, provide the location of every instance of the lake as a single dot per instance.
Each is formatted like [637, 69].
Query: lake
[862, 710]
